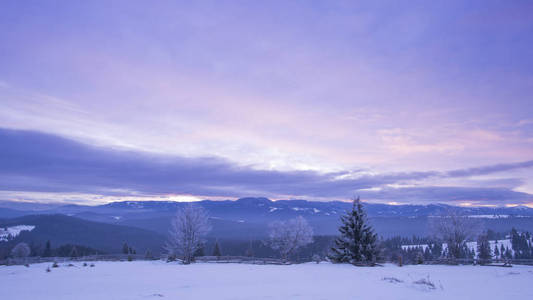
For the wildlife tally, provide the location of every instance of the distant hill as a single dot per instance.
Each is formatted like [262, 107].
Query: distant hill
[11, 213]
[249, 217]
[61, 229]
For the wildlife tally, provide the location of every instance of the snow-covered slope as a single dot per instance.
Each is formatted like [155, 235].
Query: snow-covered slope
[159, 280]
[13, 231]
[471, 245]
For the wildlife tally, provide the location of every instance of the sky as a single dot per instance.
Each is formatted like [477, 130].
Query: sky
[411, 102]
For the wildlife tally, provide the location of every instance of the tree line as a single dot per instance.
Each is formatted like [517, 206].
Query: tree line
[294, 240]
[357, 242]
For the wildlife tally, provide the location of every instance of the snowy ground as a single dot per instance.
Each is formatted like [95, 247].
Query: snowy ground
[154, 280]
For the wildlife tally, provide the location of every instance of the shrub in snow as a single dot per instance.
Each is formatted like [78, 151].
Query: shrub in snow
[316, 258]
[187, 231]
[130, 258]
[287, 236]
[48, 270]
[92, 265]
[425, 282]
[21, 250]
[392, 279]
[358, 242]
[55, 265]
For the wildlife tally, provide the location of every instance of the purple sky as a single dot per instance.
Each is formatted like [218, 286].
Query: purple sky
[407, 102]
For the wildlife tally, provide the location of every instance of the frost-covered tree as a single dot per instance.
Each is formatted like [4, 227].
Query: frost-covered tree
[287, 236]
[357, 242]
[186, 233]
[455, 230]
[21, 250]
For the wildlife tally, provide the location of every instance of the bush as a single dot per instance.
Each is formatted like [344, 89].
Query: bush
[21, 250]
[425, 282]
[316, 258]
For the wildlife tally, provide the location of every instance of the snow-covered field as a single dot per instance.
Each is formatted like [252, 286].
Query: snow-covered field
[156, 279]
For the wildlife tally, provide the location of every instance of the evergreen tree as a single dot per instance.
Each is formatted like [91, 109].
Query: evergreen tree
[125, 248]
[199, 251]
[216, 251]
[47, 250]
[436, 250]
[357, 242]
[74, 252]
[496, 251]
[483, 249]
[250, 250]
[508, 253]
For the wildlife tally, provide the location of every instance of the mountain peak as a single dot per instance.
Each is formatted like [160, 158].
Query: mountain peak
[255, 201]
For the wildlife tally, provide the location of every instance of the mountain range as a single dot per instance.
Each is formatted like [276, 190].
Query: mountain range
[145, 223]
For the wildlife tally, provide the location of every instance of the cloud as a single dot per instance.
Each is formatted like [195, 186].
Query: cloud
[37, 162]
[453, 195]
[489, 169]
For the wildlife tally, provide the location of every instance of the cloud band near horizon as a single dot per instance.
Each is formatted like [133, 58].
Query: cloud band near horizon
[43, 163]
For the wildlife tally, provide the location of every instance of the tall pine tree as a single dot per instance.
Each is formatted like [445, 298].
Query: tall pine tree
[358, 242]
[483, 249]
[216, 250]
[47, 250]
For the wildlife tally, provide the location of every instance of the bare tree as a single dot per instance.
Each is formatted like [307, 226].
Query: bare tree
[287, 236]
[21, 250]
[187, 231]
[455, 230]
